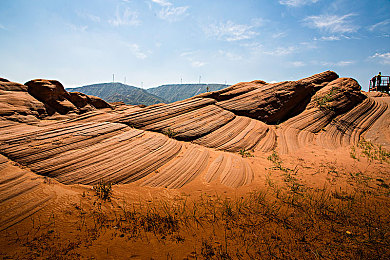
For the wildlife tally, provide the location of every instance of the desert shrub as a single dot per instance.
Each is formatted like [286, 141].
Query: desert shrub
[352, 153]
[103, 190]
[324, 100]
[245, 153]
[170, 133]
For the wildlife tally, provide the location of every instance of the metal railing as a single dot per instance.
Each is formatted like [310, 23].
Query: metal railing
[382, 85]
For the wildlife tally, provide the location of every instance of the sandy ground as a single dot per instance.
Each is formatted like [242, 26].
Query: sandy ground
[318, 203]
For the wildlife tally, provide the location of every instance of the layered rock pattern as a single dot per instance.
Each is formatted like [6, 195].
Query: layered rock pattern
[86, 152]
[190, 142]
[22, 194]
[151, 145]
[274, 103]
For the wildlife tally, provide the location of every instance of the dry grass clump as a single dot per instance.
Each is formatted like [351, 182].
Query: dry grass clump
[370, 150]
[373, 152]
[103, 190]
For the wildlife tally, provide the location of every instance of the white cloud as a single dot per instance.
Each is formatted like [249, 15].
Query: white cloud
[255, 48]
[257, 22]
[197, 64]
[78, 28]
[125, 17]
[93, 18]
[338, 64]
[2, 27]
[281, 51]
[279, 35]
[136, 51]
[334, 38]
[229, 55]
[296, 3]
[298, 64]
[329, 38]
[332, 23]
[383, 58]
[162, 2]
[194, 62]
[307, 45]
[172, 14]
[230, 31]
[186, 54]
[89, 16]
[379, 25]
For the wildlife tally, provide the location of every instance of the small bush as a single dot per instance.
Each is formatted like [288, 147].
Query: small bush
[245, 153]
[170, 133]
[352, 153]
[323, 101]
[103, 190]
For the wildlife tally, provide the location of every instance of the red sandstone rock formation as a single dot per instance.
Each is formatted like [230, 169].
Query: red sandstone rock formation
[17, 104]
[322, 110]
[57, 99]
[41, 98]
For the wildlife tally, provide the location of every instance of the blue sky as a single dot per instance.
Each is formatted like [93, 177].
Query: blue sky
[163, 41]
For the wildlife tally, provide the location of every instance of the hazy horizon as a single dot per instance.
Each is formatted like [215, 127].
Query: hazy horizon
[202, 83]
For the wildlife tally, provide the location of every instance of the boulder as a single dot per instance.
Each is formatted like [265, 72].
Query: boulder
[98, 102]
[16, 102]
[274, 103]
[339, 96]
[52, 94]
[81, 101]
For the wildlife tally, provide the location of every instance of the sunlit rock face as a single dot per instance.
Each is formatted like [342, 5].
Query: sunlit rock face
[170, 145]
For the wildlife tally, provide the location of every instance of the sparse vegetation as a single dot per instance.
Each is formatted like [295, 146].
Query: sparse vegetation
[352, 153]
[285, 219]
[274, 157]
[266, 223]
[324, 100]
[170, 133]
[245, 153]
[103, 190]
[373, 152]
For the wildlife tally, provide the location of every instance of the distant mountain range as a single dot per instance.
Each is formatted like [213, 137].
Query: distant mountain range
[115, 92]
[176, 92]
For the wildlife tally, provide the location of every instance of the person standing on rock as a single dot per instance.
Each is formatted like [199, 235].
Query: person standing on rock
[373, 80]
[379, 81]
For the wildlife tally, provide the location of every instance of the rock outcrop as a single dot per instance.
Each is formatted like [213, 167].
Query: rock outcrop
[40, 98]
[17, 104]
[274, 103]
[53, 94]
[145, 145]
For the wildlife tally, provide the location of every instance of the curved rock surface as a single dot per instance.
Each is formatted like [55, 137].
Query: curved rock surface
[151, 145]
[274, 103]
[205, 140]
